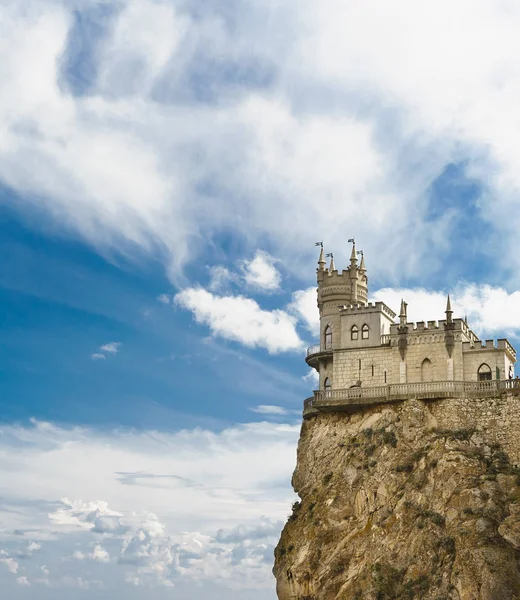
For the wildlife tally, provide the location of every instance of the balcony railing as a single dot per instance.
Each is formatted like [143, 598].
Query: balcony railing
[403, 391]
[316, 349]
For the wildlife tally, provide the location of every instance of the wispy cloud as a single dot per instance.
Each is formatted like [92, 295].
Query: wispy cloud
[112, 348]
[271, 409]
[146, 140]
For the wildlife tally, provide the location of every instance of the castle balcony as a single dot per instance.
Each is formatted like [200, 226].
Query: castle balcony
[315, 353]
[352, 399]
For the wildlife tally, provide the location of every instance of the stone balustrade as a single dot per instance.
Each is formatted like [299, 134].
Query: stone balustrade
[357, 397]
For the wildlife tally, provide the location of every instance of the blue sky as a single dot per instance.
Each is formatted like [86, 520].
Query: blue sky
[166, 167]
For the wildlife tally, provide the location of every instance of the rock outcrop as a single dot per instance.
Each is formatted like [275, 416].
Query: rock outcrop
[394, 507]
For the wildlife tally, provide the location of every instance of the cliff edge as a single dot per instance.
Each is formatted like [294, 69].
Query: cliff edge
[394, 506]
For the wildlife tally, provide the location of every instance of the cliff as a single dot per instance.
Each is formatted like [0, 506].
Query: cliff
[395, 506]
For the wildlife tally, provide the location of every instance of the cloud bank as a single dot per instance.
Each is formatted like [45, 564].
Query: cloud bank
[124, 510]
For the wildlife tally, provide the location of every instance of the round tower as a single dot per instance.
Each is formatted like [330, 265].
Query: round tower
[337, 289]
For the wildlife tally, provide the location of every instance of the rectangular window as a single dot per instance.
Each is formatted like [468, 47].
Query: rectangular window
[372, 370]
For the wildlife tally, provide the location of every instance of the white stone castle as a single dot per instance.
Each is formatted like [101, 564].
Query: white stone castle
[364, 353]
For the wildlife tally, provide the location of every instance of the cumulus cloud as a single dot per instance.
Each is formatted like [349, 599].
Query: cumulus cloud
[241, 319]
[228, 505]
[261, 273]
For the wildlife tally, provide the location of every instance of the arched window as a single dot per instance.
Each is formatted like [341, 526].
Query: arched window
[484, 372]
[354, 332]
[328, 337]
[327, 384]
[364, 332]
[426, 370]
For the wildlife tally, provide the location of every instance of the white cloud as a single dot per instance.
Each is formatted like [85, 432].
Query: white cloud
[22, 581]
[490, 310]
[149, 164]
[221, 278]
[189, 509]
[312, 377]
[106, 349]
[241, 319]
[164, 299]
[9, 562]
[98, 554]
[260, 272]
[111, 348]
[304, 306]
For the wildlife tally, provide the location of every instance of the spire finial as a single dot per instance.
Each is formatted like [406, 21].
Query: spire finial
[353, 257]
[362, 264]
[332, 267]
[321, 259]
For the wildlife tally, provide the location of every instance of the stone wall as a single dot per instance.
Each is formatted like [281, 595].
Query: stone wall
[347, 371]
[496, 419]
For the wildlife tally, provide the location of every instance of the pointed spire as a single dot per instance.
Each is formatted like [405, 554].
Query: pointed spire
[321, 259]
[449, 312]
[362, 264]
[402, 315]
[332, 267]
[353, 257]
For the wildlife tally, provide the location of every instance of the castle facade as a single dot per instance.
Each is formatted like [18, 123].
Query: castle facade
[366, 344]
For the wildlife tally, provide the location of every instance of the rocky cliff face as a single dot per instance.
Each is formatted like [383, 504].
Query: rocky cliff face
[393, 507]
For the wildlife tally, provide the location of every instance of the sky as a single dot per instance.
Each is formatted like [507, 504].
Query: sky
[166, 167]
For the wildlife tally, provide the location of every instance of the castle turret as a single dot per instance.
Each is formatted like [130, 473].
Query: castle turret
[337, 289]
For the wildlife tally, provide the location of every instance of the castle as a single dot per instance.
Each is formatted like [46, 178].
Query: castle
[366, 356]
[408, 463]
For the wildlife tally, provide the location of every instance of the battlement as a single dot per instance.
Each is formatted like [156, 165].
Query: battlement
[428, 326]
[370, 307]
[489, 346]
[327, 277]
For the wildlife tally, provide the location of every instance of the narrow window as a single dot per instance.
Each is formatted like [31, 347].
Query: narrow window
[364, 332]
[385, 376]
[372, 370]
[359, 364]
[484, 372]
[354, 332]
[328, 387]
[426, 370]
[328, 337]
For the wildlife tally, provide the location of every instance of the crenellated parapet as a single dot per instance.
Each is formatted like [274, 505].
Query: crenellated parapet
[369, 307]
